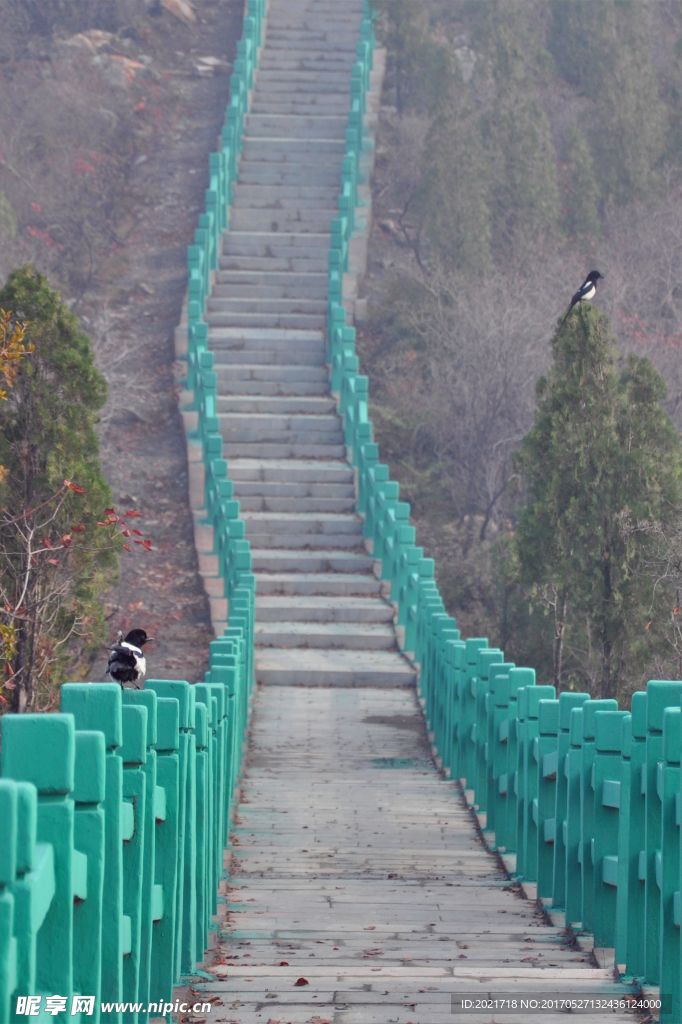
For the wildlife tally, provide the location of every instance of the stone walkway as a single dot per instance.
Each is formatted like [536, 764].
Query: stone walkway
[357, 868]
[320, 613]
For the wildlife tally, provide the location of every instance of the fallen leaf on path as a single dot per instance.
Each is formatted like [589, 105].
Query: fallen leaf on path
[283, 963]
[301, 981]
[462, 956]
[526, 959]
[319, 1020]
[370, 928]
[577, 959]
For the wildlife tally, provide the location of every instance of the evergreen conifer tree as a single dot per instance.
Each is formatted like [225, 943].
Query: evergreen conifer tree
[47, 436]
[602, 448]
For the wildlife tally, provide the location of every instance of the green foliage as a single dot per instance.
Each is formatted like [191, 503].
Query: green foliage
[47, 436]
[420, 65]
[8, 219]
[580, 193]
[453, 200]
[605, 50]
[602, 448]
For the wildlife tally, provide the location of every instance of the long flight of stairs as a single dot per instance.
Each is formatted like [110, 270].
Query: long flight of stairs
[321, 618]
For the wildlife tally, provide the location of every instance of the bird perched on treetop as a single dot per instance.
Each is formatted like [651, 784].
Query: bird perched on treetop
[587, 291]
[127, 662]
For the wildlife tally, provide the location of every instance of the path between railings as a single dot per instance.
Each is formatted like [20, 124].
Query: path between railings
[358, 868]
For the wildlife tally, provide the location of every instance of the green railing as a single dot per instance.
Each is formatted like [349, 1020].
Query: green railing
[585, 796]
[114, 814]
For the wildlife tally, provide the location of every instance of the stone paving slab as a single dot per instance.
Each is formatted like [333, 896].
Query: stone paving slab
[348, 772]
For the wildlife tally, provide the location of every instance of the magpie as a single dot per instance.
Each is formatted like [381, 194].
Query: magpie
[126, 661]
[587, 291]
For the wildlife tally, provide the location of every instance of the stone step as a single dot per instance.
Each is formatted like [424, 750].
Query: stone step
[324, 423]
[322, 609]
[280, 406]
[299, 39]
[229, 319]
[306, 60]
[259, 173]
[282, 667]
[301, 83]
[313, 104]
[272, 357]
[284, 289]
[309, 221]
[271, 277]
[285, 196]
[271, 450]
[281, 471]
[305, 542]
[287, 490]
[305, 524]
[258, 304]
[266, 503]
[269, 243]
[297, 264]
[233, 380]
[327, 635]
[283, 148]
[234, 433]
[266, 337]
[301, 126]
[295, 560]
[333, 585]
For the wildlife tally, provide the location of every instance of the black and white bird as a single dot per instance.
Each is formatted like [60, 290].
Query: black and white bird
[587, 291]
[127, 662]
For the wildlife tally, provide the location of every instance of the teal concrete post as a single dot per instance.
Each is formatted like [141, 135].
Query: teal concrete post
[479, 732]
[497, 758]
[519, 679]
[534, 694]
[203, 825]
[52, 773]
[622, 894]
[32, 891]
[467, 715]
[455, 650]
[572, 831]
[133, 753]
[146, 699]
[567, 701]
[631, 844]
[668, 864]
[520, 779]
[8, 867]
[163, 974]
[493, 716]
[98, 706]
[587, 824]
[660, 695]
[89, 839]
[546, 753]
[603, 846]
[185, 949]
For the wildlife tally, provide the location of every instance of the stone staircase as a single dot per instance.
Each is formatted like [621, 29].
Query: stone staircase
[321, 615]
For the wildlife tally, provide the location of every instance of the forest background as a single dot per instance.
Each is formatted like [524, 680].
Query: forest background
[521, 145]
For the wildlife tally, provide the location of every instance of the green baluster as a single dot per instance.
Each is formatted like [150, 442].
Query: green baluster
[148, 700]
[661, 694]
[479, 731]
[546, 752]
[8, 867]
[41, 749]
[498, 678]
[203, 824]
[167, 853]
[89, 840]
[534, 694]
[587, 810]
[134, 756]
[567, 701]
[98, 706]
[519, 679]
[603, 851]
[668, 866]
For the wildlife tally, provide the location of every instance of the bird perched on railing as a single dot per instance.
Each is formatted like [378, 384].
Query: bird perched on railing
[127, 662]
[587, 291]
